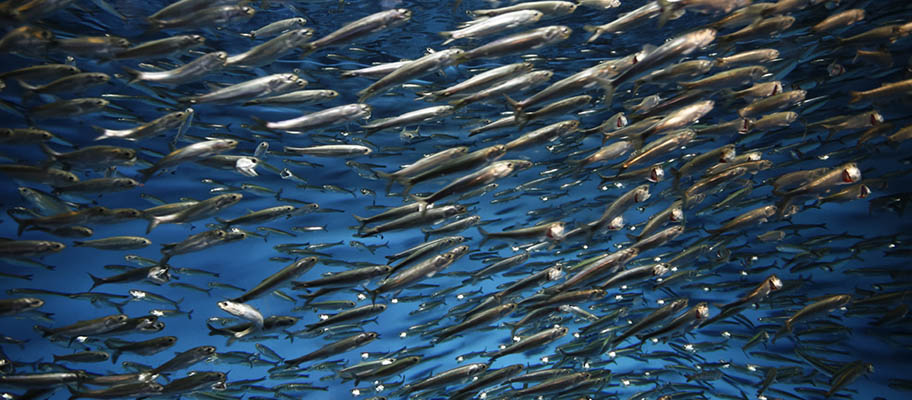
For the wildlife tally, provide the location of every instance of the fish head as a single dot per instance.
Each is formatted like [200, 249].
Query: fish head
[555, 272]
[556, 231]
[863, 191]
[676, 215]
[559, 331]
[125, 183]
[851, 173]
[728, 153]
[774, 283]
[229, 199]
[703, 66]
[300, 35]
[616, 224]
[98, 77]
[556, 33]
[205, 350]
[32, 302]
[656, 174]
[679, 304]
[876, 118]
[52, 246]
[702, 37]
[518, 165]
[701, 311]
[459, 251]
[145, 321]
[642, 193]
[226, 305]
[216, 58]
[495, 151]
[402, 14]
[368, 336]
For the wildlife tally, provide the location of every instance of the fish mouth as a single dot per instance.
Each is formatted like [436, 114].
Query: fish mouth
[851, 175]
[656, 175]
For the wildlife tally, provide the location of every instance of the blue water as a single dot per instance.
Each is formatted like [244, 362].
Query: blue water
[732, 269]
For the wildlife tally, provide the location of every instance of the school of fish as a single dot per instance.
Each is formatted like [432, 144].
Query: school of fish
[465, 199]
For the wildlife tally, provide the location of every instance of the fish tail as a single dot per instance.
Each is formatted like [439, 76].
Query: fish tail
[26, 86]
[307, 49]
[147, 173]
[135, 75]
[156, 221]
[459, 102]
[517, 107]
[854, 96]
[483, 233]
[667, 11]
[448, 35]
[104, 133]
[23, 223]
[52, 155]
[676, 183]
[95, 281]
[596, 32]
[45, 332]
[115, 356]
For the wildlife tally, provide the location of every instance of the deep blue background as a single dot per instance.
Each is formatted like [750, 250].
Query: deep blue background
[246, 263]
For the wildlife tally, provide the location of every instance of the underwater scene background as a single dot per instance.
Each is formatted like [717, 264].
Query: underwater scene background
[776, 208]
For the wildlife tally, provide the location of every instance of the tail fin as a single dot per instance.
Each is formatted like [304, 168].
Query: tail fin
[147, 173]
[96, 281]
[667, 11]
[23, 223]
[135, 75]
[156, 221]
[448, 35]
[389, 177]
[45, 332]
[854, 96]
[49, 151]
[518, 114]
[593, 28]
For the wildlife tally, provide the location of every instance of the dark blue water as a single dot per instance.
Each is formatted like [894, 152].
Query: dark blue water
[730, 268]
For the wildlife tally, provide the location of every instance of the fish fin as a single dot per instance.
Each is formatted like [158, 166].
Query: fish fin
[147, 173]
[156, 221]
[23, 223]
[596, 32]
[26, 86]
[95, 281]
[448, 35]
[676, 184]
[104, 133]
[854, 96]
[45, 332]
[52, 155]
[389, 177]
[485, 234]
[667, 11]
[459, 102]
[609, 90]
[135, 75]
[307, 49]
[518, 114]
